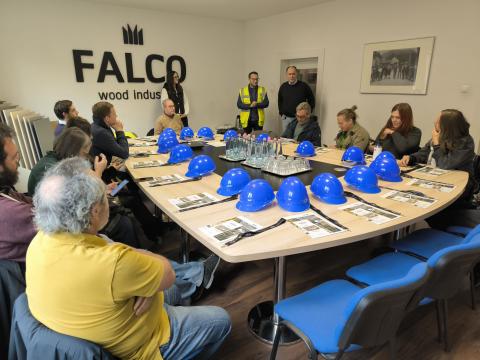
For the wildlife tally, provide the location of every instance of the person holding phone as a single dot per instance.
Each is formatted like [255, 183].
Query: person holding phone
[74, 142]
[123, 226]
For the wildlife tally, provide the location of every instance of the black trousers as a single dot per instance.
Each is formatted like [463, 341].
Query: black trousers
[123, 227]
[252, 126]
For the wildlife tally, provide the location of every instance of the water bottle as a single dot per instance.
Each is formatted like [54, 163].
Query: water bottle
[431, 161]
[377, 150]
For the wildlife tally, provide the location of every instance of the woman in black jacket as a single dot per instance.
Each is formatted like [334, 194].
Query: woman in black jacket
[399, 136]
[451, 147]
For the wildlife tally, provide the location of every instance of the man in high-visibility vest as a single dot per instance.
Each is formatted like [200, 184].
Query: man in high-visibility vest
[252, 99]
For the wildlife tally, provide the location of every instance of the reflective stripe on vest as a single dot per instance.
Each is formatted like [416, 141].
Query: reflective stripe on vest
[245, 97]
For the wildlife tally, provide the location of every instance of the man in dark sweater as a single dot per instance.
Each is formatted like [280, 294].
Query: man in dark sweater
[292, 93]
[64, 110]
[103, 140]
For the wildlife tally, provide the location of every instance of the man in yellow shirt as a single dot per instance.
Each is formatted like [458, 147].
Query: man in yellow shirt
[168, 119]
[85, 286]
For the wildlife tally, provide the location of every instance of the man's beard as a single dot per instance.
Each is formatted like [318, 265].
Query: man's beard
[8, 178]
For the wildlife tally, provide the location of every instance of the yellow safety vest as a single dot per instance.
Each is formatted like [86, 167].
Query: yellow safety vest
[244, 114]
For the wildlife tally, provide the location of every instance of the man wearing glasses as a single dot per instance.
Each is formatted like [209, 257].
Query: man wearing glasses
[252, 99]
[304, 126]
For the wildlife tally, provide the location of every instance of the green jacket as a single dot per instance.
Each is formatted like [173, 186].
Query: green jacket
[40, 169]
[357, 136]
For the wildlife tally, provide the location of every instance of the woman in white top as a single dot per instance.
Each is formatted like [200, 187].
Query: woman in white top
[174, 91]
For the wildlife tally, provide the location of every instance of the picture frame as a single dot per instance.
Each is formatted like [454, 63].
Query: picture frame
[397, 67]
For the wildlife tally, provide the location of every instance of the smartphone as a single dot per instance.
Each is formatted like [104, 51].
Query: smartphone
[119, 187]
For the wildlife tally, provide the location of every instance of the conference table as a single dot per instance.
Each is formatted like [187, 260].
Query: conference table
[287, 239]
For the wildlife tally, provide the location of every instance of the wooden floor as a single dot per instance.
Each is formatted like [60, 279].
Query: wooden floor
[238, 287]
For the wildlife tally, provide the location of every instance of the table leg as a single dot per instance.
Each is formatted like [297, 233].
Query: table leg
[262, 321]
[185, 246]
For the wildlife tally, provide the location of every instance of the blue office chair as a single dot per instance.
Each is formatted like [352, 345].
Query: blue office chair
[339, 316]
[449, 268]
[30, 339]
[426, 242]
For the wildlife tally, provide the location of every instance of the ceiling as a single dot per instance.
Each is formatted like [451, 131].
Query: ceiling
[241, 10]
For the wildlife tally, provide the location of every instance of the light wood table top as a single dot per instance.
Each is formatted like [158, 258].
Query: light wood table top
[286, 239]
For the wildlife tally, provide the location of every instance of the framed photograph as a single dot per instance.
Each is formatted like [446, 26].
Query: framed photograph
[397, 67]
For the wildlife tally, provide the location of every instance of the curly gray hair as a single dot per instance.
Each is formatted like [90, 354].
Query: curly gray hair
[65, 197]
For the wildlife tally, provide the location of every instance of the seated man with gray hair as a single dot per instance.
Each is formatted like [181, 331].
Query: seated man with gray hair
[304, 126]
[82, 285]
[168, 119]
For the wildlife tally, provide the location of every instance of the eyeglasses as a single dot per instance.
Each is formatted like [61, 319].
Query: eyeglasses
[254, 79]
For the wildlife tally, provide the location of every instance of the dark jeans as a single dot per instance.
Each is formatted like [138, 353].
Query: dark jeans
[185, 121]
[252, 127]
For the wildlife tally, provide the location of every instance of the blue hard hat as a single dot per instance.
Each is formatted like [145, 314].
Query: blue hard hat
[169, 131]
[205, 132]
[200, 165]
[167, 134]
[233, 181]
[186, 132]
[387, 169]
[255, 196]
[262, 137]
[328, 188]
[305, 148]
[229, 134]
[180, 153]
[292, 195]
[381, 156]
[354, 155]
[166, 143]
[362, 178]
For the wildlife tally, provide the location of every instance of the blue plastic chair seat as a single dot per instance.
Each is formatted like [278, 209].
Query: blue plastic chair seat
[320, 313]
[383, 268]
[426, 242]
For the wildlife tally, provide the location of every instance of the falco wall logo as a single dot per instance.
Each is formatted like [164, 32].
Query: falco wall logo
[122, 71]
[132, 37]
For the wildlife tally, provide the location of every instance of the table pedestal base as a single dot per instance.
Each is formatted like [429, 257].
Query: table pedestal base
[262, 325]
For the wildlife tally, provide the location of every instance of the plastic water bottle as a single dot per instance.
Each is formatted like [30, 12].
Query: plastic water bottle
[431, 161]
[376, 150]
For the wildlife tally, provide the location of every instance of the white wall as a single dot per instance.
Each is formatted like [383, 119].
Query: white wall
[339, 30]
[36, 64]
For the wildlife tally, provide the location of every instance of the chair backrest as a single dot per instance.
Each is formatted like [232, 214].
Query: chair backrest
[28, 336]
[471, 234]
[375, 313]
[450, 266]
[12, 284]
